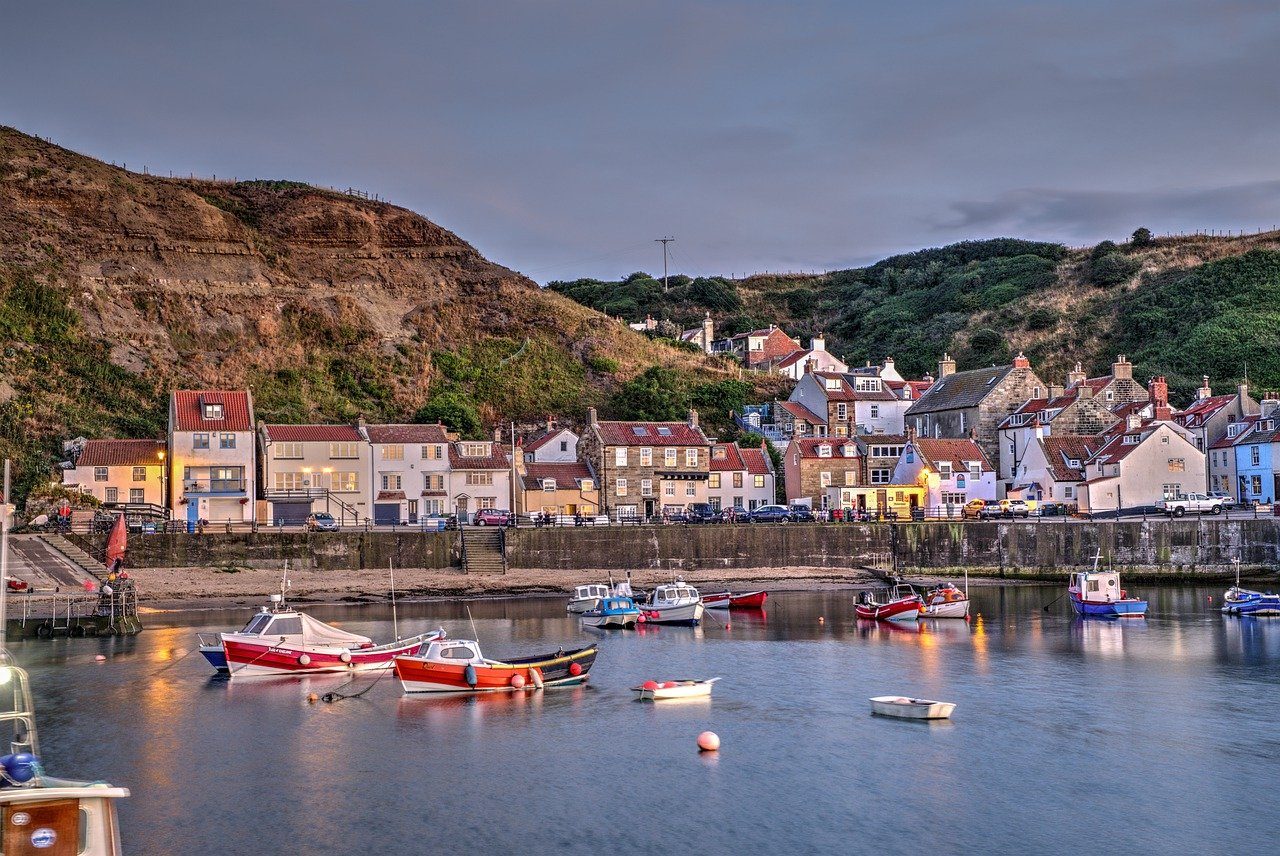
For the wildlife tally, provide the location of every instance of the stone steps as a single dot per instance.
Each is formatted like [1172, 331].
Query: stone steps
[75, 555]
[483, 550]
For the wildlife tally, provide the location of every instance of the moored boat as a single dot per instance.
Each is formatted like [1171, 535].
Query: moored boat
[673, 603]
[588, 597]
[613, 612]
[1242, 601]
[1098, 593]
[903, 707]
[659, 690]
[946, 601]
[729, 600]
[457, 666]
[902, 604]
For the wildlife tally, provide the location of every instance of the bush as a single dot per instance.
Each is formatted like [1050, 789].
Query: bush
[1104, 248]
[1113, 269]
[601, 364]
[455, 411]
[1041, 318]
[1141, 237]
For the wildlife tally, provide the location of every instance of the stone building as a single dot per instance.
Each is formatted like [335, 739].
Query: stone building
[646, 468]
[812, 465]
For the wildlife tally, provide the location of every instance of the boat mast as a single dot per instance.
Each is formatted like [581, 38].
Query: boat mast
[4, 563]
[1235, 561]
[395, 625]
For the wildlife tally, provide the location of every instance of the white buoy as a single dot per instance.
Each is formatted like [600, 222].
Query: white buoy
[709, 741]
[100, 658]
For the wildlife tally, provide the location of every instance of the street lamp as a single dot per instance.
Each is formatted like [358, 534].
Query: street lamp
[164, 474]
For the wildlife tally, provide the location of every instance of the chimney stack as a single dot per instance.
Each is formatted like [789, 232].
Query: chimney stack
[1076, 375]
[1084, 391]
[1122, 369]
[591, 417]
[1021, 361]
[1055, 391]
[1134, 421]
[818, 343]
[693, 418]
[1158, 392]
[946, 366]
[1205, 391]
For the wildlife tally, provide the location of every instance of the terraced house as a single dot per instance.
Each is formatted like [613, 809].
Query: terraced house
[480, 477]
[551, 479]
[314, 468]
[741, 477]
[647, 467]
[409, 472]
[212, 456]
[120, 472]
[812, 465]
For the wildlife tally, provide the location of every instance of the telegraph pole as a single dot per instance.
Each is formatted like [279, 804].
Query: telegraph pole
[664, 242]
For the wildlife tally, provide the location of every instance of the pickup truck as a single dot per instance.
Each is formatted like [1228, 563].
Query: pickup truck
[1198, 503]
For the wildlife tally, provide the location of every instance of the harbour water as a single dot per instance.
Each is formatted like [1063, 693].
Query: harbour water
[1149, 736]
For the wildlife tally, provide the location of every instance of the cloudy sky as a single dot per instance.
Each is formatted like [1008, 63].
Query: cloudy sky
[561, 137]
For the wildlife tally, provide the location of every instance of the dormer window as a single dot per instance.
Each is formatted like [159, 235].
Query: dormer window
[549, 485]
[719, 453]
[1131, 439]
[475, 450]
[213, 411]
[1233, 429]
[1073, 463]
[868, 384]
[850, 451]
[975, 469]
[944, 469]
[831, 383]
[824, 451]
[1268, 425]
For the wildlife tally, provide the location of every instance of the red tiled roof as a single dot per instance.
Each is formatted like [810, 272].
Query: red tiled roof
[808, 446]
[121, 453]
[540, 440]
[1200, 411]
[1058, 450]
[956, 452]
[732, 460]
[313, 433]
[188, 410]
[496, 459]
[407, 433]
[1226, 441]
[758, 462]
[625, 434]
[385, 495]
[801, 412]
[566, 475]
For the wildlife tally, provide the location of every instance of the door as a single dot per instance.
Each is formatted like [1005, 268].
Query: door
[649, 508]
[882, 501]
[51, 828]
[290, 513]
[461, 508]
[193, 515]
[413, 511]
[386, 513]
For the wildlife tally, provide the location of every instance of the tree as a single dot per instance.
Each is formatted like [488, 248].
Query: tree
[1141, 237]
[655, 395]
[453, 410]
[1113, 269]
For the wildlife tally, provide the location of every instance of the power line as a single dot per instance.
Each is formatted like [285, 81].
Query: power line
[664, 242]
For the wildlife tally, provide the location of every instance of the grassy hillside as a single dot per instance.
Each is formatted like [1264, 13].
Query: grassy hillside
[1182, 307]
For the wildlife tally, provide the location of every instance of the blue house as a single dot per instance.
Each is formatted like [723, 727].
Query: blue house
[1257, 477]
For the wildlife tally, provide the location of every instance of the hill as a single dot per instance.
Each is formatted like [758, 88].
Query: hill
[116, 287]
[1178, 306]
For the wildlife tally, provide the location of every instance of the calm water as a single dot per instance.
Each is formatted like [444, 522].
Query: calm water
[1147, 736]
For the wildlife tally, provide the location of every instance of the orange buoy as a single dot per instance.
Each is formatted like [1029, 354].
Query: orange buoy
[312, 698]
[709, 741]
[575, 669]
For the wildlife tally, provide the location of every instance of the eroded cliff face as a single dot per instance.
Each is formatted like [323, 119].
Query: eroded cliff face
[329, 306]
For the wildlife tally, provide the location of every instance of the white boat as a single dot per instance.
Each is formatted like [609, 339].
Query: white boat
[946, 601]
[911, 708]
[658, 690]
[673, 603]
[588, 597]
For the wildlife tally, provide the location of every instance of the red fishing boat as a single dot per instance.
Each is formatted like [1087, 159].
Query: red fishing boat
[457, 666]
[729, 600]
[903, 604]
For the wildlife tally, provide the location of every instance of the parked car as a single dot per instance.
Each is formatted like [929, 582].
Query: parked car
[701, 512]
[973, 509]
[1015, 508]
[1228, 501]
[492, 517]
[321, 521]
[991, 510]
[801, 514]
[771, 514]
[1196, 503]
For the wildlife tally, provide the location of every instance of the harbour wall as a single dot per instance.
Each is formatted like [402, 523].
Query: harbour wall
[1156, 547]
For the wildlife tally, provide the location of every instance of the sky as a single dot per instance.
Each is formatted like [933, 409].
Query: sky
[561, 138]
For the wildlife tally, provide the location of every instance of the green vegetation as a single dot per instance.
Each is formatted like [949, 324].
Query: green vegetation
[1108, 266]
[455, 411]
[663, 395]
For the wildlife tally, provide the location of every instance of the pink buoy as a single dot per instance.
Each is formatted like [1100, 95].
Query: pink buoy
[709, 741]
[517, 681]
[649, 685]
[100, 658]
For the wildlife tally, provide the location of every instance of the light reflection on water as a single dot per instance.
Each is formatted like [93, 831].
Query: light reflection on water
[1154, 735]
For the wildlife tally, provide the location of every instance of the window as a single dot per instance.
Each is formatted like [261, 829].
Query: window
[850, 479]
[975, 469]
[737, 479]
[226, 440]
[432, 452]
[944, 469]
[1256, 482]
[646, 457]
[646, 487]
[200, 440]
[620, 487]
[99, 473]
[137, 495]
[564, 445]
[112, 495]
[288, 450]
[875, 411]
[690, 457]
[475, 450]
[669, 457]
[587, 484]
[432, 481]
[1068, 491]
[713, 481]
[479, 478]
[691, 489]
[620, 456]
[962, 423]
[1171, 490]
[867, 384]
[1177, 465]
[344, 482]
[1110, 395]
[344, 450]
[639, 430]
[488, 502]
[664, 431]
[1233, 429]
[824, 479]
[393, 452]
[1254, 457]
[213, 411]
[881, 476]
[1131, 439]
[824, 451]
[953, 498]
[668, 488]
[226, 479]
[288, 481]
[140, 474]
[842, 411]
[392, 481]
[549, 485]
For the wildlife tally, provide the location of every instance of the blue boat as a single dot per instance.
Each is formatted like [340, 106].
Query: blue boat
[214, 654]
[1242, 601]
[613, 612]
[1098, 593]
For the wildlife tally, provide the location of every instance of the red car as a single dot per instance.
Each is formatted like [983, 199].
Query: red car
[492, 517]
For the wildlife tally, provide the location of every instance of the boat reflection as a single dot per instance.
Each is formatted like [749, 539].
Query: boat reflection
[1103, 636]
[445, 708]
[1254, 640]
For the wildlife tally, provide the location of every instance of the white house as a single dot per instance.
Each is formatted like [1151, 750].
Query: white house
[409, 472]
[314, 468]
[952, 472]
[551, 446]
[118, 472]
[1145, 462]
[740, 478]
[211, 456]
[814, 359]
[480, 477]
[1052, 469]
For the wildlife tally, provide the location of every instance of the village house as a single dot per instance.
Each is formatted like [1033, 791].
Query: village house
[952, 472]
[551, 479]
[120, 472]
[815, 358]
[758, 349]
[703, 335]
[480, 477]
[812, 465]
[1053, 468]
[1246, 462]
[740, 477]
[212, 458]
[1209, 415]
[314, 468]
[881, 454]
[646, 468]
[1223, 473]
[409, 472]
[973, 403]
[852, 404]
[1112, 390]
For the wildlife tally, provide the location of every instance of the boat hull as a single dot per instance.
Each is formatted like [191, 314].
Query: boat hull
[580, 605]
[420, 675]
[907, 609]
[900, 707]
[675, 689]
[1245, 602]
[951, 609]
[728, 600]
[620, 620]
[247, 659]
[1130, 607]
[215, 656]
[689, 614]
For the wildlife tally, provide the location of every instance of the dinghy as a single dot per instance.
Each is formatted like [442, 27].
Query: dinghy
[902, 604]
[659, 690]
[903, 707]
[729, 600]
[457, 666]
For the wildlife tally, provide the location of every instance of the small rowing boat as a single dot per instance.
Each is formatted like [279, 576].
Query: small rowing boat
[903, 707]
[457, 666]
[729, 600]
[902, 604]
[659, 690]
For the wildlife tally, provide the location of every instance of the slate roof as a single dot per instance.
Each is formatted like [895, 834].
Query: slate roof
[651, 434]
[1226, 441]
[958, 453]
[121, 453]
[567, 475]
[407, 433]
[313, 433]
[960, 390]
[188, 410]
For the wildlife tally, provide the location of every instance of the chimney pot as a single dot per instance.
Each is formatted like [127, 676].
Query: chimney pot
[946, 366]
[1021, 361]
[591, 417]
[693, 418]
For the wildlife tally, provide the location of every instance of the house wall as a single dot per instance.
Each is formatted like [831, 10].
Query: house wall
[412, 467]
[558, 501]
[471, 497]
[1223, 472]
[807, 483]
[319, 470]
[215, 508]
[1255, 482]
[889, 418]
[749, 496]
[1145, 471]
[634, 474]
[551, 453]
[120, 478]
